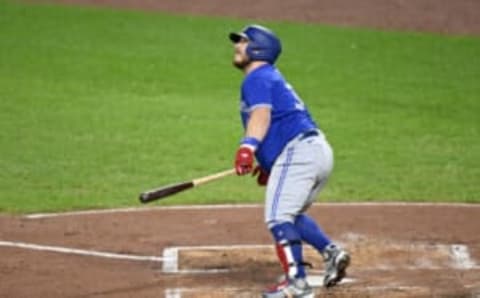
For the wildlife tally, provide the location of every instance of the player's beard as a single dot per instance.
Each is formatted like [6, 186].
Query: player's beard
[241, 64]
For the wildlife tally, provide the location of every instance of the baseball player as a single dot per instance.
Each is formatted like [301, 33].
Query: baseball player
[294, 160]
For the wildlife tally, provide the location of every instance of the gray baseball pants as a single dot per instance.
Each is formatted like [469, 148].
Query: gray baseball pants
[296, 178]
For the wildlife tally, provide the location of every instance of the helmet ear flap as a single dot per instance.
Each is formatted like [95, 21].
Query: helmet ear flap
[262, 53]
[253, 50]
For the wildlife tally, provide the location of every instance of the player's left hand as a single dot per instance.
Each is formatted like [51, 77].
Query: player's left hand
[262, 178]
[244, 160]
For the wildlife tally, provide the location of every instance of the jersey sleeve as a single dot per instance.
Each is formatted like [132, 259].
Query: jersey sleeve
[257, 93]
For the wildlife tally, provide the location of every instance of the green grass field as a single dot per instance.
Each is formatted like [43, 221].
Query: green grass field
[97, 105]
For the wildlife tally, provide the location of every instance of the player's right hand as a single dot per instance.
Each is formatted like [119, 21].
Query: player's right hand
[262, 178]
[244, 160]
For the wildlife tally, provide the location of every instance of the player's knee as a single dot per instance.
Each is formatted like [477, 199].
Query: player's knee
[284, 231]
[278, 219]
[301, 220]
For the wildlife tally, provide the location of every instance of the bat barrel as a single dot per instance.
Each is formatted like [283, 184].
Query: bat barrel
[160, 193]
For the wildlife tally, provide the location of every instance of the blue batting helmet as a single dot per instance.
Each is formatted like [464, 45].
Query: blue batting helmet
[263, 44]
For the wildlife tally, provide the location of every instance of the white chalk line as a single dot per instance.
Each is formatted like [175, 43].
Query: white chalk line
[177, 292]
[458, 253]
[170, 255]
[137, 209]
[395, 287]
[313, 280]
[238, 206]
[81, 252]
[461, 257]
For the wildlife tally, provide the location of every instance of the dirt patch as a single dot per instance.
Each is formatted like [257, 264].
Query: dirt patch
[441, 16]
[389, 254]
[397, 251]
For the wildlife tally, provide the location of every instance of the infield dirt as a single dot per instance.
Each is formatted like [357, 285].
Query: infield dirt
[397, 250]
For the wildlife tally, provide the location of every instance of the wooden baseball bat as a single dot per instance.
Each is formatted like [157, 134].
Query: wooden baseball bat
[168, 190]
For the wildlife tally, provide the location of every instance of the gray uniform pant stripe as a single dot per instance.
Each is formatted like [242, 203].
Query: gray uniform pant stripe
[283, 175]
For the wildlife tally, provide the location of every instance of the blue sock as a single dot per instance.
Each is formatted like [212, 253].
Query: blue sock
[311, 233]
[287, 236]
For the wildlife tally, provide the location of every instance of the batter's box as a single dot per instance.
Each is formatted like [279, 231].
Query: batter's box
[367, 254]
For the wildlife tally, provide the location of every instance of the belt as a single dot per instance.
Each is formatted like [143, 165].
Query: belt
[308, 134]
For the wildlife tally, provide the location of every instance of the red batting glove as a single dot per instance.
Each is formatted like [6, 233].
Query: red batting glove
[244, 160]
[262, 178]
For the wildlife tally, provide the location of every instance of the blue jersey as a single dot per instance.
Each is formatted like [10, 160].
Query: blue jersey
[265, 86]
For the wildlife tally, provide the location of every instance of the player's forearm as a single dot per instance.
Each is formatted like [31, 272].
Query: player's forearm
[258, 124]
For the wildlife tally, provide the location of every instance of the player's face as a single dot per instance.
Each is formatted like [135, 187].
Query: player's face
[240, 58]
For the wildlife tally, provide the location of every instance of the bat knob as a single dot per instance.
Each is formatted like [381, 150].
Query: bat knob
[143, 197]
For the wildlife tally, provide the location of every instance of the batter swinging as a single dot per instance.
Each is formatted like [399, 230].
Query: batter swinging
[294, 160]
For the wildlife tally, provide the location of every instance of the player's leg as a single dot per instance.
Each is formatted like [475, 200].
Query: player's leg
[336, 259]
[309, 229]
[289, 246]
[285, 198]
[281, 206]
[289, 250]
[288, 189]
[318, 154]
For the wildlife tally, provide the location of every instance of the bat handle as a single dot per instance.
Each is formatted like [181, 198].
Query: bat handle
[213, 177]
